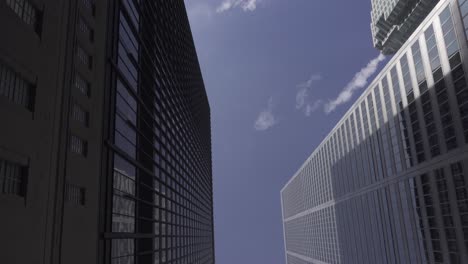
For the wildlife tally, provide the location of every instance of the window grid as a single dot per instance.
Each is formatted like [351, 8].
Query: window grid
[446, 115]
[15, 88]
[83, 57]
[78, 145]
[25, 11]
[418, 63]
[433, 53]
[447, 215]
[417, 133]
[448, 30]
[459, 177]
[13, 178]
[431, 129]
[393, 121]
[461, 91]
[383, 131]
[341, 150]
[85, 29]
[80, 115]
[82, 85]
[75, 195]
[407, 83]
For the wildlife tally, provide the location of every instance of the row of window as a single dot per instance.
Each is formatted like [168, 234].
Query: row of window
[441, 200]
[393, 139]
[27, 12]
[314, 236]
[168, 196]
[15, 88]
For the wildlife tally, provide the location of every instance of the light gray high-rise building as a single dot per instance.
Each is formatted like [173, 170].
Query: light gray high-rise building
[389, 184]
[393, 21]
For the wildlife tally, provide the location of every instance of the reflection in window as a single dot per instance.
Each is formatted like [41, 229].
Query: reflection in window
[125, 121]
[128, 53]
[464, 13]
[123, 217]
[407, 84]
[418, 63]
[123, 251]
[433, 53]
[449, 32]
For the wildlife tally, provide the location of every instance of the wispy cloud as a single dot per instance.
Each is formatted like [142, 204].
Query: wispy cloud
[266, 118]
[302, 97]
[200, 13]
[359, 81]
[246, 5]
[312, 107]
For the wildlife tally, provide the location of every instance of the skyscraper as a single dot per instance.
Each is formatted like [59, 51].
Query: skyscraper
[389, 184]
[105, 148]
[393, 21]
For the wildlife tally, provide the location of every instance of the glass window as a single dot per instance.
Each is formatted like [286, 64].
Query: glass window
[418, 63]
[84, 57]
[74, 194]
[82, 85]
[406, 74]
[78, 145]
[26, 11]
[450, 37]
[432, 49]
[85, 29]
[80, 115]
[15, 88]
[123, 219]
[13, 178]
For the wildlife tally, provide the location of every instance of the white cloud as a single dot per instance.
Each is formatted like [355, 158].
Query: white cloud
[266, 119]
[302, 97]
[310, 108]
[358, 82]
[246, 5]
[308, 83]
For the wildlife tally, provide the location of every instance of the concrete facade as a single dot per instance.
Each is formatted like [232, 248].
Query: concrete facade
[58, 72]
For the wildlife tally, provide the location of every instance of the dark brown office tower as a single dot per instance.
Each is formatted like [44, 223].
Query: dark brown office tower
[105, 142]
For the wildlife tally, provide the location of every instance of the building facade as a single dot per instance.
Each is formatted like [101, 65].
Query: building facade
[389, 184]
[105, 151]
[393, 21]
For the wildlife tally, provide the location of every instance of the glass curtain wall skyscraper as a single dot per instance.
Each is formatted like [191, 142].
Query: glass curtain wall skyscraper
[389, 184]
[105, 147]
[159, 152]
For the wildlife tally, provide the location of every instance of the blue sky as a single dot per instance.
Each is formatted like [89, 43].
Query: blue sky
[279, 75]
